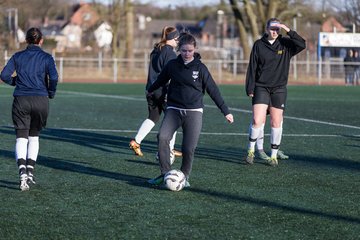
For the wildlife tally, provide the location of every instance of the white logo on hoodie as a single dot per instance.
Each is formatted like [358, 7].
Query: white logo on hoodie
[195, 75]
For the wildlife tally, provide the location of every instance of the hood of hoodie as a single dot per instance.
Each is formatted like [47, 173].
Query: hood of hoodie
[196, 60]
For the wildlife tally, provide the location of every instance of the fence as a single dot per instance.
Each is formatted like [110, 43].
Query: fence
[224, 71]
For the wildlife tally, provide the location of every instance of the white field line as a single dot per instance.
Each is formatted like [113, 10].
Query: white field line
[209, 106]
[213, 106]
[202, 133]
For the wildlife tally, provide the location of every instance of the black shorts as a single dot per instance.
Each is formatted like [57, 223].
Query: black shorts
[156, 105]
[30, 112]
[274, 97]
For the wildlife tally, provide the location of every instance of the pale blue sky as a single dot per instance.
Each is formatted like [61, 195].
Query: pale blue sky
[172, 3]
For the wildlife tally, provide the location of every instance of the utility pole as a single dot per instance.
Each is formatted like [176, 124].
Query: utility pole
[15, 27]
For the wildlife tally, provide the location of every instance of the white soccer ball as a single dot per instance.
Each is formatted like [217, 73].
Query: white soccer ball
[175, 180]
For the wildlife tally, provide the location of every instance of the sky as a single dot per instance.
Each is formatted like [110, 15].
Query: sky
[172, 3]
[166, 3]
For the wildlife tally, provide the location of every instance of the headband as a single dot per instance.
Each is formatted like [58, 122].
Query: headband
[172, 35]
[272, 23]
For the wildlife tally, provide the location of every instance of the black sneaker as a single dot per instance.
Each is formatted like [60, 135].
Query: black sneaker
[157, 181]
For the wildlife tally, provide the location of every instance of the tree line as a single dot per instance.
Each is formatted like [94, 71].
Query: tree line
[249, 16]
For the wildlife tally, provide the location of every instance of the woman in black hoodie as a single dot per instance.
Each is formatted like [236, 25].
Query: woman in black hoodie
[266, 81]
[190, 78]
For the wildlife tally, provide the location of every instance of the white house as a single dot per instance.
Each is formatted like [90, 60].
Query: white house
[103, 35]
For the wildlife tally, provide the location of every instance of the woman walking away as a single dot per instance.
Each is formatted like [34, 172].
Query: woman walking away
[162, 53]
[35, 82]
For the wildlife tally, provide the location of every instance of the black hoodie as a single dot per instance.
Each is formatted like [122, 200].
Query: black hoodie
[188, 84]
[269, 63]
[158, 59]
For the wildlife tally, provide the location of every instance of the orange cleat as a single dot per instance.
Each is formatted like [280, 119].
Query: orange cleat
[136, 148]
[177, 153]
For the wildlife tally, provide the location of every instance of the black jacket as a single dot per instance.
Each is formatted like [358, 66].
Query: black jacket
[188, 84]
[269, 63]
[158, 59]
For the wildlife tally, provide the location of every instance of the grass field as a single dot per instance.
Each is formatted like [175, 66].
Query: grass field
[91, 186]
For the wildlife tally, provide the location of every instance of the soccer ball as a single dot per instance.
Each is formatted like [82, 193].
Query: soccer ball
[175, 180]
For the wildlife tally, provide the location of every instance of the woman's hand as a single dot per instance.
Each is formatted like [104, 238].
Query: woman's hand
[230, 118]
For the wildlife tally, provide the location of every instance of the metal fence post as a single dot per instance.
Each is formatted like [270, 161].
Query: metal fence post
[146, 67]
[235, 66]
[295, 67]
[220, 70]
[61, 69]
[319, 71]
[5, 57]
[100, 57]
[115, 70]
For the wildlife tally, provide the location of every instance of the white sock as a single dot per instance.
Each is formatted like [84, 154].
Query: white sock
[254, 134]
[275, 139]
[260, 139]
[21, 147]
[144, 130]
[33, 148]
[172, 142]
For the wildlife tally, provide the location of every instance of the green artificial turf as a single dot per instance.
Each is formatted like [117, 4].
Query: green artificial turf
[90, 185]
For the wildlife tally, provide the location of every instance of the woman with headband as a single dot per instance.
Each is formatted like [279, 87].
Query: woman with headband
[162, 53]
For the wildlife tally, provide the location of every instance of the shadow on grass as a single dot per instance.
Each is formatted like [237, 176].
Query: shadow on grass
[9, 185]
[109, 143]
[274, 205]
[138, 181]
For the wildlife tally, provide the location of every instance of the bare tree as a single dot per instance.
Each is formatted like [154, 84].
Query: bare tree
[251, 17]
[120, 15]
[349, 11]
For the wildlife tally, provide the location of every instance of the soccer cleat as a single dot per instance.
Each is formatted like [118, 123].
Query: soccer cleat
[177, 153]
[250, 157]
[281, 155]
[31, 179]
[136, 148]
[187, 184]
[273, 161]
[262, 155]
[23, 183]
[157, 181]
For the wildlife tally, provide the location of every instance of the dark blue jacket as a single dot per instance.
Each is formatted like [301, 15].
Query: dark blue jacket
[188, 84]
[36, 73]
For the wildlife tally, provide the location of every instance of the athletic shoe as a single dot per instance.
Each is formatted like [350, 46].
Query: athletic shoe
[177, 153]
[281, 155]
[23, 183]
[262, 155]
[273, 161]
[136, 148]
[250, 157]
[31, 179]
[187, 184]
[157, 181]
